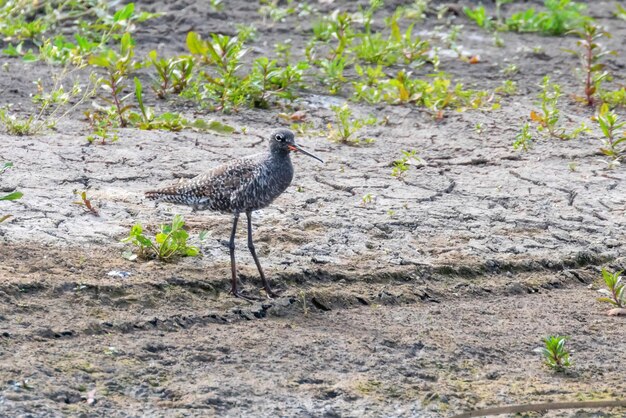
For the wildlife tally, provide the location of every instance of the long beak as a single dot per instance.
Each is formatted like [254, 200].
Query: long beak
[298, 148]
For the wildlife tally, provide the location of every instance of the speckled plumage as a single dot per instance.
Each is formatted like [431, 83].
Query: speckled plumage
[241, 185]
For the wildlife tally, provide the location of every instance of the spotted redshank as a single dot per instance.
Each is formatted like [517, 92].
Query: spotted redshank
[242, 185]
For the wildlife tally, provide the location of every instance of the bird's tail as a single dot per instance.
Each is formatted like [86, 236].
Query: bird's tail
[160, 195]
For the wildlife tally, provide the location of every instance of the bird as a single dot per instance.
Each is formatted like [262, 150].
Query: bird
[242, 185]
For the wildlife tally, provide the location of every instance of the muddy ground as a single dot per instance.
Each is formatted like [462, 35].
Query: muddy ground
[429, 300]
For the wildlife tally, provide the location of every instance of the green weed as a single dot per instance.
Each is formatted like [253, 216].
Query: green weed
[169, 243]
[615, 289]
[558, 18]
[346, 127]
[173, 74]
[614, 143]
[555, 355]
[85, 203]
[590, 56]
[117, 66]
[15, 195]
[54, 105]
[547, 120]
[524, 139]
[401, 165]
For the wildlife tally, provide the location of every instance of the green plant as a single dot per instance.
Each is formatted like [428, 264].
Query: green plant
[346, 126]
[560, 17]
[590, 55]
[555, 355]
[15, 195]
[54, 105]
[332, 73]
[368, 199]
[102, 126]
[614, 143]
[173, 74]
[615, 289]
[267, 79]
[85, 203]
[523, 140]
[221, 57]
[401, 165]
[620, 12]
[216, 5]
[270, 8]
[479, 16]
[117, 67]
[547, 120]
[615, 98]
[169, 243]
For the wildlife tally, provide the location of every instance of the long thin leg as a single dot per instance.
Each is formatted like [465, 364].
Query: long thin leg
[231, 247]
[266, 285]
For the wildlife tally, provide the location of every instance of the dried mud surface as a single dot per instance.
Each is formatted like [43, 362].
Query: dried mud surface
[431, 310]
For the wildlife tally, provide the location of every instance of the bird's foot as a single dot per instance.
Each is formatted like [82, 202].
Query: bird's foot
[239, 295]
[271, 294]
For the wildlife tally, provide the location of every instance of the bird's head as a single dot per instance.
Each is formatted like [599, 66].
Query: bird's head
[283, 141]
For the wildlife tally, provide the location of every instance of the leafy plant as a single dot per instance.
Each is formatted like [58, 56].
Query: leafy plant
[11, 196]
[401, 165]
[54, 105]
[615, 289]
[547, 120]
[117, 67]
[221, 57]
[332, 73]
[620, 12]
[85, 203]
[560, 17]
[102, 126]
[523, 140]
[590, 56]
[173, 74]
[614, 98]
[479, 16]
[614, 143]
[555, 355]
[169, 243]
[347, 126]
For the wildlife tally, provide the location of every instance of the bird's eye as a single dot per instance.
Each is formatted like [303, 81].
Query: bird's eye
[280, 137]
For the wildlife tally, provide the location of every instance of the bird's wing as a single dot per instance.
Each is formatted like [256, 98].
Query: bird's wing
[213, 189]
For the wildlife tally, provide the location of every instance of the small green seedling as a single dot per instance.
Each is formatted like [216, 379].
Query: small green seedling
[555, 355]
[401, 165]
[347, 127]
[547, 120]
[85, 203]
[168, 244]
[368, 199]
[524, 139]
[11, 196]
[614, 142]
[615, 289]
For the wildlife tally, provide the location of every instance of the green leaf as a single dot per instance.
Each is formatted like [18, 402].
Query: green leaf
[213, 125]
[192, 251]
[195, 44]
[124, 13]
[99, 60]
[12, 196]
